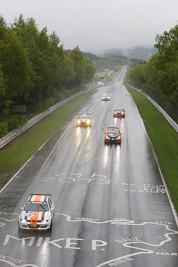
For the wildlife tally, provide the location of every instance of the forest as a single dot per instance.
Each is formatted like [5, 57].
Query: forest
[160, 73]
[36, 71]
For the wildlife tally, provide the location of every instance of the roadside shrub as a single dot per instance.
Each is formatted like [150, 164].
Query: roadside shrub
[15, 122]
[39, 108]
[51, 101]
[3, 129]
[46, 105]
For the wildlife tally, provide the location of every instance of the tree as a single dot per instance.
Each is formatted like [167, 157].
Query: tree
[16, 72]
[77, 58]
[84, 69]
[167, 43]
[43, 53]
[167, 61]
[138, 74]
[161, 72]
[89, 70]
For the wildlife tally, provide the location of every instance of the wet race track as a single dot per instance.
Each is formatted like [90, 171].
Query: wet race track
[111, 205]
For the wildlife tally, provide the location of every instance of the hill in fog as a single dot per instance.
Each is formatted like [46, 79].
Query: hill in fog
[139, 52]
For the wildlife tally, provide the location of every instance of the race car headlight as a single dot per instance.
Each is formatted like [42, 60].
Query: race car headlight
[23, 220]
[88, 121]
[45, 221]
[78, 121]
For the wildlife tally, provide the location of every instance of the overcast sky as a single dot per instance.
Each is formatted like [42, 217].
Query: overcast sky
[95, 25]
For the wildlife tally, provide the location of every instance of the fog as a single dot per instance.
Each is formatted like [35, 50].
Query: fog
[95, 25]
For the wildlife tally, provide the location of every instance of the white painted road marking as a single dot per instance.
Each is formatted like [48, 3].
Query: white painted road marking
[135, 243]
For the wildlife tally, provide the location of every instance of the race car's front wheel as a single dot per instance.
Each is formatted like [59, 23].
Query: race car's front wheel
[51, 225]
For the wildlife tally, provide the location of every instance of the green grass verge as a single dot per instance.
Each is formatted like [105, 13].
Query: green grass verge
[164, 139]
[16, 154]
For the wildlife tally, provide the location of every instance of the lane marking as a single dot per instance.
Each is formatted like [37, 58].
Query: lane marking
[14, 265]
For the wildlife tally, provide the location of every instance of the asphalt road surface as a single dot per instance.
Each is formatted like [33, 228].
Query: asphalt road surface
[111, 205]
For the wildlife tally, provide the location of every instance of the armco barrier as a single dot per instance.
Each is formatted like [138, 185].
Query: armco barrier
[169, 107]
[10, 136]
[167, 117]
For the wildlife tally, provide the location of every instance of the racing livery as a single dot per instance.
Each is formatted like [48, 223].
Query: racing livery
[37, 213]
[113, 135]
[119, 112]
[84, 120]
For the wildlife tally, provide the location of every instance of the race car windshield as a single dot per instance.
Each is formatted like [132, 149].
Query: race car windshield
[34, 206]
[113, 131]
[83, 116]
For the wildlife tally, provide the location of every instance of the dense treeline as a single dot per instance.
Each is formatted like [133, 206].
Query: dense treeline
[161, 72]
[87, 55]
[36, 71]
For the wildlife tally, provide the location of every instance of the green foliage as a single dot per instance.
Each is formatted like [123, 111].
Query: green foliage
[2, 84]
[35, 70]
[83, 68]
[12, 123]
[15, 122]
[89, 70]
[3, 128]
[77, 58]
[138, 74]
[15, 70]
[161, 72]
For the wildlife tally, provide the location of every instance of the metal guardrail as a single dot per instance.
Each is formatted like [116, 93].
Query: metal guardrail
[167, 117]
[170, 107]
[13, 134]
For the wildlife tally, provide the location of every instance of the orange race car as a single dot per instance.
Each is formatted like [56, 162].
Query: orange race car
[119, 112]
[112, 135]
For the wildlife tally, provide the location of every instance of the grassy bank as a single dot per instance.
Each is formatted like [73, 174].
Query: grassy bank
[13, 156]
[164, 139]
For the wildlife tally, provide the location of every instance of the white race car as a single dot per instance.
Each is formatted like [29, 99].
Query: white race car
[37, 213]
[105, 98]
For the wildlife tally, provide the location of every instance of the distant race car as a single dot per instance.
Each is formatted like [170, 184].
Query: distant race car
[100, 83]
[84, 120]
[37, 213]
[112, 135]
[119, 112]
[105, 98]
